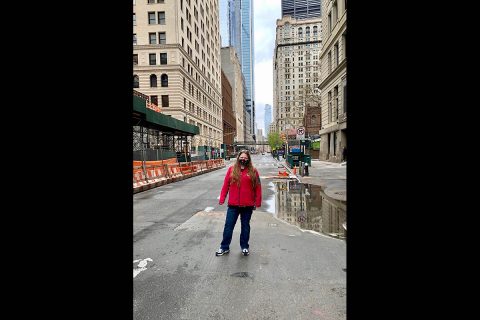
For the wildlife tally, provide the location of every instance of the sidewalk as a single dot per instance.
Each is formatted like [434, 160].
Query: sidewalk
[331, 176]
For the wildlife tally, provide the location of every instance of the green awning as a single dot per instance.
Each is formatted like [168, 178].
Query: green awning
[163, 122]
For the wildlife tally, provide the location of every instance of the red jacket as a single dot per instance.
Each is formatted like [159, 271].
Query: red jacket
[242, 195]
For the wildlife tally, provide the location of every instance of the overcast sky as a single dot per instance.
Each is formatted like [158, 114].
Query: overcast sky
[266, 13]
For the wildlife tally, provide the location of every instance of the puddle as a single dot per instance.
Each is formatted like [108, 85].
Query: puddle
[308, 207]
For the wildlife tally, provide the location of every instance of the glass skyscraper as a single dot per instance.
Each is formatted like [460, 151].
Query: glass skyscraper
[301, 9]
[247, 56]
[236, 29]
[230, 23]
[267, 118]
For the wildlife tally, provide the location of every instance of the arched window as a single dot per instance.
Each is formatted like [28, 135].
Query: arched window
[164, 79]
[135, 81]
[313, 119]
[153, 81]
[315, 31]
[307, 31]
[300, 32]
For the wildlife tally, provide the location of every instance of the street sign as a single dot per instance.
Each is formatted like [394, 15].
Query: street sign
[300, 133]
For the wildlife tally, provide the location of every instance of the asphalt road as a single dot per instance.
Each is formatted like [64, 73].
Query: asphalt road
[290, 274]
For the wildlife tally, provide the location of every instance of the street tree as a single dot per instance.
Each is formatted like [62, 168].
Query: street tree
[274, 140]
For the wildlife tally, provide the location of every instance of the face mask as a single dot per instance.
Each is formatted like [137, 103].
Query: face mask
[243, 162]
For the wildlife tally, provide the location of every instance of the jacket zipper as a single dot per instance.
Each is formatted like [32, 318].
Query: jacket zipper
[239, 188]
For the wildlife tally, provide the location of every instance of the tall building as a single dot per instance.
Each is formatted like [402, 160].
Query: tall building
[333, 86]
[176, 62]
[267, 118]
[233, 72]
[247, 56]
[296, 70]
[230, 23]
[224, 17]
[237, 26]
[301, 9]
[229, 122]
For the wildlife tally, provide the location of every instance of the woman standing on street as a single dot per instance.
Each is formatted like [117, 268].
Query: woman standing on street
[243, 183]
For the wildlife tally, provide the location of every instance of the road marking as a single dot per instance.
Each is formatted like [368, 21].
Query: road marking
[141, 266]
[208, 209]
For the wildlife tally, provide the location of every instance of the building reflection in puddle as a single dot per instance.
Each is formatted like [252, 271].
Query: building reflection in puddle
[308, 207]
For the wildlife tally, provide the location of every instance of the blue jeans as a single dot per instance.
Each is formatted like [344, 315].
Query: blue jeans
[230, 221]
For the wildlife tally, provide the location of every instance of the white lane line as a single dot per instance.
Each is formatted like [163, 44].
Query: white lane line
[141, 266]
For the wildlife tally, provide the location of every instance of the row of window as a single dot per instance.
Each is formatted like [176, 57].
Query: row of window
[152, 59]
[336, 54]
[165, 100]
[333, 104]
[153, 81]
[200, 113]
[152, 38]
[333, 15]
[152, 17]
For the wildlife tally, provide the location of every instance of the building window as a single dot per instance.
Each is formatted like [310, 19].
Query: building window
[160, 1]
[335, 51]
[162, 37]
[329, 58]
[154, 100]
[152, 59]
[161, 17]
[135, 81]
[335, 12]
[135, 59]
[315, 31]
[307, 31]
[164, 80]
[344, 83]
[344, 45]
[152, 38]
[151, 18]
[330, 22]
[330, 106]
[181, 23]
[134, 19]
[165, 101]
[300, 32]
[134, 38]
[151, 1]
[163, 58]
[335, 100]
[183, 83]
[153, 81]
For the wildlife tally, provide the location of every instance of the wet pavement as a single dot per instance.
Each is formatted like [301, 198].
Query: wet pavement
[317, 202]
[308, 207]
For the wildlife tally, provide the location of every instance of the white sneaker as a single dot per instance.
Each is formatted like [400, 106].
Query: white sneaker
[245, 252]
[221, 252]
